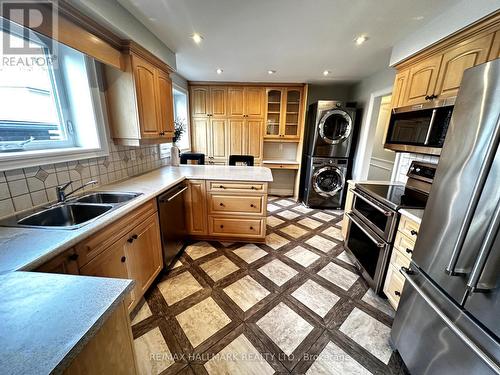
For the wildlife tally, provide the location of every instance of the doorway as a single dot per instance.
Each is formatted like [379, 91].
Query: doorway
[381, 162]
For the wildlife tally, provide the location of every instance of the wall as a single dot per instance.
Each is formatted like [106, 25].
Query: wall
[405, 159]
[334, 91]
[378, 84]
[455, 18]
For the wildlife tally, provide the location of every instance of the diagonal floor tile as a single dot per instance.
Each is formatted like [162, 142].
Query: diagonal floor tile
[199, 249]
[294, 231]
[302, 209]
[285, 202]
[275, 241]
[302, 256]
[273, 221]
[321, 243]
[219, 268]
[323, 216]
[369, 333]
[334, 361]
[179, 287]
[272, 207]
[317, 298]
[152, 353]
[239, 358]
[202, 321]
[372, 299]
[334, 232]
[250, 252]
[310, 223]
[338, 275]
[246, 292]
[345, 258]
[278, 272]
[287, 214]
[285, 327]
[143, 313]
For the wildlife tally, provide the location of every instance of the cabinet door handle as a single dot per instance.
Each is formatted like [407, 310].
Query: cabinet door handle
[397, 292]
[123, 259]
[132, 238]
[73, 257]
[409, 251]
[413, 232]
[221, 204]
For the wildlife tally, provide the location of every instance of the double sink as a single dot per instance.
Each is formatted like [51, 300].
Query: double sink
[73, 213]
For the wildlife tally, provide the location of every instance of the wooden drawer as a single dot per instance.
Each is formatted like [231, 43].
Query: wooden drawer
[94, 245]
[236, 204]
[393, 286]
[236, 227]
[242, 187]
[404, 243]
[408, 227]
[399, 259]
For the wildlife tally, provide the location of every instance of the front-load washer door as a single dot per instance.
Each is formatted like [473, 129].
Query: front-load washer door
[335, 126]
[328, 181]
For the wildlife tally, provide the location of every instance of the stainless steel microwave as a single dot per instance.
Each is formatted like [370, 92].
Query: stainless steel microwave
[420, 128]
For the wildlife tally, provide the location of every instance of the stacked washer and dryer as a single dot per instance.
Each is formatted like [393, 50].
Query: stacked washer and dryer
[328, 153]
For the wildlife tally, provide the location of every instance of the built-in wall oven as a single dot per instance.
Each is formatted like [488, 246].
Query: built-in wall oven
[420, 128]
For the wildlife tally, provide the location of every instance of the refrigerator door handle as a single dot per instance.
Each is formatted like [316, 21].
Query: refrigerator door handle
[474, 201]
[451, 325]
[484, 252]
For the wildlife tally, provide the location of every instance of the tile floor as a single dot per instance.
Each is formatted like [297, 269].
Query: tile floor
[293, 305]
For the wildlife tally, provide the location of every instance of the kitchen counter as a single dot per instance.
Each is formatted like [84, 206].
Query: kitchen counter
[414, 214]
[46, 319]
[24, 249]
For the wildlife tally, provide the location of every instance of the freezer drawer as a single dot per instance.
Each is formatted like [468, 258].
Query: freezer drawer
[434, 336]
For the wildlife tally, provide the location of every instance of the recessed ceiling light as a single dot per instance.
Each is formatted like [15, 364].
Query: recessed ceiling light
[361, 39]
[418, 18]
[326, 72]
[219, 71]
[271, 71]
[197, 38]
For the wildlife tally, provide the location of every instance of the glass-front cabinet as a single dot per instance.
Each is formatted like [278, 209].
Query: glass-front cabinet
[283, 113]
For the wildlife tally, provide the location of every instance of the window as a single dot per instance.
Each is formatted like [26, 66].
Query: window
[51, 104]
[181, 101]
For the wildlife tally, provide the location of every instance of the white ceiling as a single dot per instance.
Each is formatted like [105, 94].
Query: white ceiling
[297, 38]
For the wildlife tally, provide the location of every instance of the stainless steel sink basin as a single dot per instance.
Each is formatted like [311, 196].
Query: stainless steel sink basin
[106, 197]
[71, 214]
[67, 215]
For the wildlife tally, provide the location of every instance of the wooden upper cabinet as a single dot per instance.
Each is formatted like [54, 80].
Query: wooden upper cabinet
[145, 80]
[495, 47]
[456, 60]
[236, 97]
[254, 102]
[200, 101]
[422, 79]
[253, 138]
[199, 134]
[139, 98]
[236, 137]
[291, 115]
[165, 104]
[217, 139]
[399, 88]
[218, 101]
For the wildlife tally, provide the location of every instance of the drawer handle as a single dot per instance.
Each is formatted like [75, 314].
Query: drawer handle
[221, 204]
[413, 232]
[251, 228]
[397, 292]
[123, 259]
[132, 238]
[222, 226]
[409, 251]
[222, 187]
[252, 205]
[73, 257]
[253, 187]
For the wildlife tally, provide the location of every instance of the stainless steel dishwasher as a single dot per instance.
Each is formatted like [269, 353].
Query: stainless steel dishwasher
[172, 222]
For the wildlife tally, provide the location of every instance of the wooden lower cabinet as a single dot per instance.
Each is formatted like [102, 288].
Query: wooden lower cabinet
[65, 263]
[228, 226]
[110, 351]
[347, 208]
[196, 207]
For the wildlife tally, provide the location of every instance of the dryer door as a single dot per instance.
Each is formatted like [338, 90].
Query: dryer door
[328, 180]
[335, 126]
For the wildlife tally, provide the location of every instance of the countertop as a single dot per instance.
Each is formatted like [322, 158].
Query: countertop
[46, 319]
[24, 249]
[414, 214]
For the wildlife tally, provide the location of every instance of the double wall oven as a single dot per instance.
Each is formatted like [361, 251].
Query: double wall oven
[374, 217]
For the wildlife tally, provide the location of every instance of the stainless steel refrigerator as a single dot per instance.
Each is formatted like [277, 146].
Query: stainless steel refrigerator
[448, 319]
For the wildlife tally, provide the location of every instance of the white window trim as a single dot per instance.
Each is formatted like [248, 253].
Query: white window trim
[15, 160]
[188, 124]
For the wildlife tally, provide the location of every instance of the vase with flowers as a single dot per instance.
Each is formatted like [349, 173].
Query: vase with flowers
[179, 129]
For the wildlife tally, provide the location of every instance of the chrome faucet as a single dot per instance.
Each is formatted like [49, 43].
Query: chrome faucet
[62, 196]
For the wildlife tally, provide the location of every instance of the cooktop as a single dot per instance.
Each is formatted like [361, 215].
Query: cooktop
[395, 195]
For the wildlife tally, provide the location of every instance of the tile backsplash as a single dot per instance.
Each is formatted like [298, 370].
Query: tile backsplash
[405, 160]
[21, 189]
